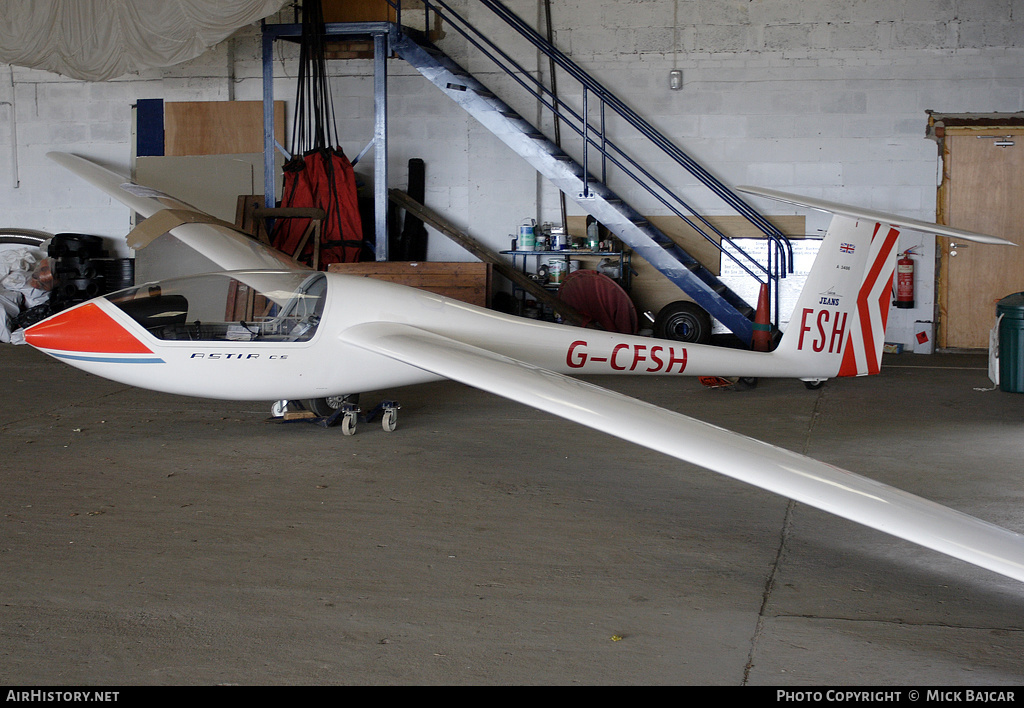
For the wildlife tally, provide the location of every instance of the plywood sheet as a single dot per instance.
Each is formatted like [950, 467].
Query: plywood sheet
[211, 183]
[218, 127]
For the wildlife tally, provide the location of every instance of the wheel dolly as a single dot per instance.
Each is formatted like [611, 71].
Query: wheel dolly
[347, 414]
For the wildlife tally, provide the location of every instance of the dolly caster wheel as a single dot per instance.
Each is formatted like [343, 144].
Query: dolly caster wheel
[389, 421]
[348, 423]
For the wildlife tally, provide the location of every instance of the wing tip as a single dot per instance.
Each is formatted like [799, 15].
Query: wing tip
[896, 220]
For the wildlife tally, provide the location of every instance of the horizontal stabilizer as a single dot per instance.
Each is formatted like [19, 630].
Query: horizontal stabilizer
[872, 215]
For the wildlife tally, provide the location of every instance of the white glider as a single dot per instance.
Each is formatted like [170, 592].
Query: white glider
[257, 334]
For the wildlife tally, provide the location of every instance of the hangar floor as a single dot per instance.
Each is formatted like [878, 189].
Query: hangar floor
[149, 539]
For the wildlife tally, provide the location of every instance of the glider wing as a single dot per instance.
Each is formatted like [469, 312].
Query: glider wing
[787, 473]
[219, 241]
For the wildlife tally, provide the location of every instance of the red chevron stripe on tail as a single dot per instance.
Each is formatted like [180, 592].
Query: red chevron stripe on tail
[863, 352]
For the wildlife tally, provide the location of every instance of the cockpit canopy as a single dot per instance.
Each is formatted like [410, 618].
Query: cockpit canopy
[244, 306]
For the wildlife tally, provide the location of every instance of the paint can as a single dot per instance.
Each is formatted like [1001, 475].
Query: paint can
[528, 235]
[556, 270]
[558, 241]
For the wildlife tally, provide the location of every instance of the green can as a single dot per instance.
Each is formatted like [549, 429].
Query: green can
[1010, 311]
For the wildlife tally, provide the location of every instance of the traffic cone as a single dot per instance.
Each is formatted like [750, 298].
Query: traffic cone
[762, 338]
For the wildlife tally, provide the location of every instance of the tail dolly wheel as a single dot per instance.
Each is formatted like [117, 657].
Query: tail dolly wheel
[387, 410]
[344, 411]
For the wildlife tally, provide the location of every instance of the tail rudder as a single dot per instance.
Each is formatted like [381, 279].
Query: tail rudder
[838, 325]
[862, 354]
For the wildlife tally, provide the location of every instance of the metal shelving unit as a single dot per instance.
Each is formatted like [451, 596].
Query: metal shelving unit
[624, 264]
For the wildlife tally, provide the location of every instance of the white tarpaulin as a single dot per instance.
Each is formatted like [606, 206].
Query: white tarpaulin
[17, 292]
[96, 40]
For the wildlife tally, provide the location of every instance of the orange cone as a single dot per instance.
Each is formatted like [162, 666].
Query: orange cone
[762, 339]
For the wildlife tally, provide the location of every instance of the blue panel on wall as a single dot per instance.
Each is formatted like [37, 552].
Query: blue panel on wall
[149, 121]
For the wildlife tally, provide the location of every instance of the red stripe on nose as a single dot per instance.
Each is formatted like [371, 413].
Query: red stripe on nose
[85, 328]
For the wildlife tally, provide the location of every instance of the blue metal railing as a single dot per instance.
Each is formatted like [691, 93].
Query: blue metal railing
[595, 137]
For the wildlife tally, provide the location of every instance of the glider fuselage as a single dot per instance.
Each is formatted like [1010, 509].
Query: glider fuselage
[240, 358]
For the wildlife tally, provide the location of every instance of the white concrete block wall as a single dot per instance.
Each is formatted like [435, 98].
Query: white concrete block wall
[826, 98]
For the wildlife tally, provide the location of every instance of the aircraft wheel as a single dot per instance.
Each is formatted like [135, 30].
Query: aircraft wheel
[683, 321]
[748, 381]
[278, 408]
[320, 407]
[348, 424]
[389, 421]
[324, 407]
[813, 385]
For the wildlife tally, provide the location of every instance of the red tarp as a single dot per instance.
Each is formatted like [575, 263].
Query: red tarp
[323, 179]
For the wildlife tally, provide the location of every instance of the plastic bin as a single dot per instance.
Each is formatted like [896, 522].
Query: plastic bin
[1010, 311]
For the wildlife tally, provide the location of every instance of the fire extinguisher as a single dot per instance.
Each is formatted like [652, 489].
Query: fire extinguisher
[905, 281]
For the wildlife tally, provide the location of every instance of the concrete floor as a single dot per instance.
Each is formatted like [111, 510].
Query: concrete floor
[149, 539]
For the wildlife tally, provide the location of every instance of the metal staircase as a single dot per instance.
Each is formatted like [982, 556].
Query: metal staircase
[568, 175]
[574, 178]
[567, 164]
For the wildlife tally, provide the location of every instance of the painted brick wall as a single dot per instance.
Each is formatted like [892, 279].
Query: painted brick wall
[825, 98]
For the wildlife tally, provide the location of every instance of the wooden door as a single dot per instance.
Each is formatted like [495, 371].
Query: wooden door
[983, 191]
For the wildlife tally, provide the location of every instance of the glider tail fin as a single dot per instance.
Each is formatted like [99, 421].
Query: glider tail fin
[838, 325]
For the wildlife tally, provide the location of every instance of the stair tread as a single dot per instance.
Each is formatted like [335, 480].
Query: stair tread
[716, 292]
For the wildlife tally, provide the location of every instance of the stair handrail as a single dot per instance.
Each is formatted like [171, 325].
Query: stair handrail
[780, 258]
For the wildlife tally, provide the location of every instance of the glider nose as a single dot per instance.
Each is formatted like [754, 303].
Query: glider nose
[84, 328]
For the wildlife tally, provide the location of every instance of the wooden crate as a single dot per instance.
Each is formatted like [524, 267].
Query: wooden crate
[358, 11]
[469, 282]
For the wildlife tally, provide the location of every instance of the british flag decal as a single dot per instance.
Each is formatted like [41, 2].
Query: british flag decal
[863, 352]
[847, 248]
